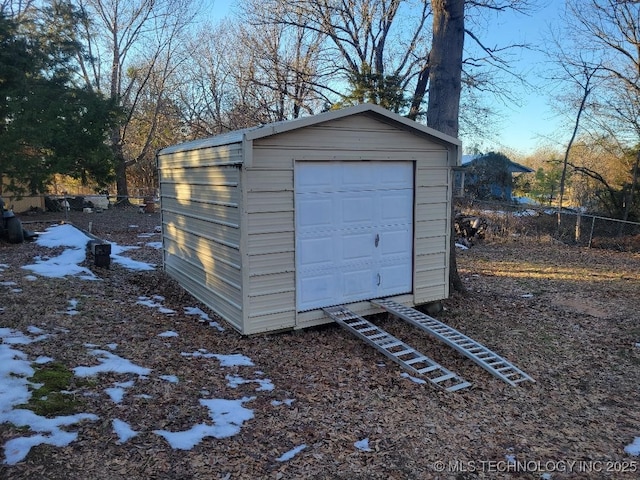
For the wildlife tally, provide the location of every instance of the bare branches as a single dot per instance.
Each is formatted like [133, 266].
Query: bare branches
[584, 78]
[522, 6]
[16, 8]
[132, 47]
[362, 33]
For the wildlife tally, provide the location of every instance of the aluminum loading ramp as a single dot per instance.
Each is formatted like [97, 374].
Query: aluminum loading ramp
[487, 359]
[398, 351]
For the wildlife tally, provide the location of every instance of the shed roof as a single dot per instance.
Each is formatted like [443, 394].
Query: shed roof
[261, 131]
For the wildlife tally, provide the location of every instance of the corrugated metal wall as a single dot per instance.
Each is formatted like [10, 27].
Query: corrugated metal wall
[229, 227]
[270, 206]
[201, 216]
[432, 229]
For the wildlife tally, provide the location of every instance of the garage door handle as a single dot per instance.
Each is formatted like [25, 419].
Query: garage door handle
[379, 279]
[377, 239]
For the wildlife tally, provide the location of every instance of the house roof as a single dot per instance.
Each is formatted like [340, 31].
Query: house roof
[517, 168]
[513, 167]
[261, 131]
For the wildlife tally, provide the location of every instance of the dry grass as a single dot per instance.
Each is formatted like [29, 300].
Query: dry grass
[568, 316]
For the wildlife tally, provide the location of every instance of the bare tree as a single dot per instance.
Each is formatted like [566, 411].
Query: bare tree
[131, 42]
[15, 8]
[389, 38]
[582, 73]
[445, 78]
[204, 88]
[446, 66]
[245, 72]
[381, 48]
[610, 31]
[445, 88]
[282, 69]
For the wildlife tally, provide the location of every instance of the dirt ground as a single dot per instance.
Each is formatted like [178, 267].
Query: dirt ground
[568, 316]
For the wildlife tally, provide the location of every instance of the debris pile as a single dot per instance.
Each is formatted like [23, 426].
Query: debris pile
[469, 229]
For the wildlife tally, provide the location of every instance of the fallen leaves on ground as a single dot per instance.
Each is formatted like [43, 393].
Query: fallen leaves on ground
[566, 315]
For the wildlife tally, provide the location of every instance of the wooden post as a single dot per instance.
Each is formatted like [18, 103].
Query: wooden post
[593, 223]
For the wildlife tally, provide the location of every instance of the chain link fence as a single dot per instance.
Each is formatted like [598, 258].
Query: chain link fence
[600, 232]
[54, 202]
[571, 227]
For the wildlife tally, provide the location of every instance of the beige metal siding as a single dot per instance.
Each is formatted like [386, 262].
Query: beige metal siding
[269, 204]
[269, 232]
[361, 133]
[223, 155]
[431, 229]
[201, 217]
[228, 213]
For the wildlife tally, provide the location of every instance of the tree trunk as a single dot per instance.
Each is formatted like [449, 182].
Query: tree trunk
[445, 85]
[629, 199]
[419, 92]
[586, 90]
[445, 82]
[122, 190]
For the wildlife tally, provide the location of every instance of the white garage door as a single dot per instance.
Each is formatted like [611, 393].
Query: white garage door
[354, 231]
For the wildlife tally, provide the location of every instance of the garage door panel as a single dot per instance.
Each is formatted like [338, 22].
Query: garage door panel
[316, 290]
[357, 246]
[396, 206]
[358, 243]
[317, 178]
[393, 278]
[355, 178]
[316, 252]
[356, 210]
[394, 242]
[357, 282]
[315, 212]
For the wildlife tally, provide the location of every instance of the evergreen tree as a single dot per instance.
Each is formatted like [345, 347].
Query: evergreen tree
[371, 87]
[47, 124]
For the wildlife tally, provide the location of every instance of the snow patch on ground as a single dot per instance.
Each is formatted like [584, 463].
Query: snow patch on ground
[168, 333]
[413, 379]
[204, 317]
[233, 360]
[110, 362]
[68, 262]
[633, 448]
[123, 430]
[227, 416]
[291, 453]
[363, 445]
[264, 383]
[15, 369]
[155, 302]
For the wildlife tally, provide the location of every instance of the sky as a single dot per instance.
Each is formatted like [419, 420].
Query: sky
[531, 123]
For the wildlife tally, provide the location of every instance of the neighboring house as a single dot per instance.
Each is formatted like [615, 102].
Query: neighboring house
[268, 225]
[19, 203]
[487, 176]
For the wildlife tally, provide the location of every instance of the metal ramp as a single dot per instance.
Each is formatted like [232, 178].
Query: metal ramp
[398, 351]
[487, 359]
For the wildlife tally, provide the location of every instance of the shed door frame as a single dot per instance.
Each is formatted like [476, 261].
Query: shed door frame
[354, 231]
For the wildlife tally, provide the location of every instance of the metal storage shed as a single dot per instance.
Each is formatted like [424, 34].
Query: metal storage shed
[267, 225]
